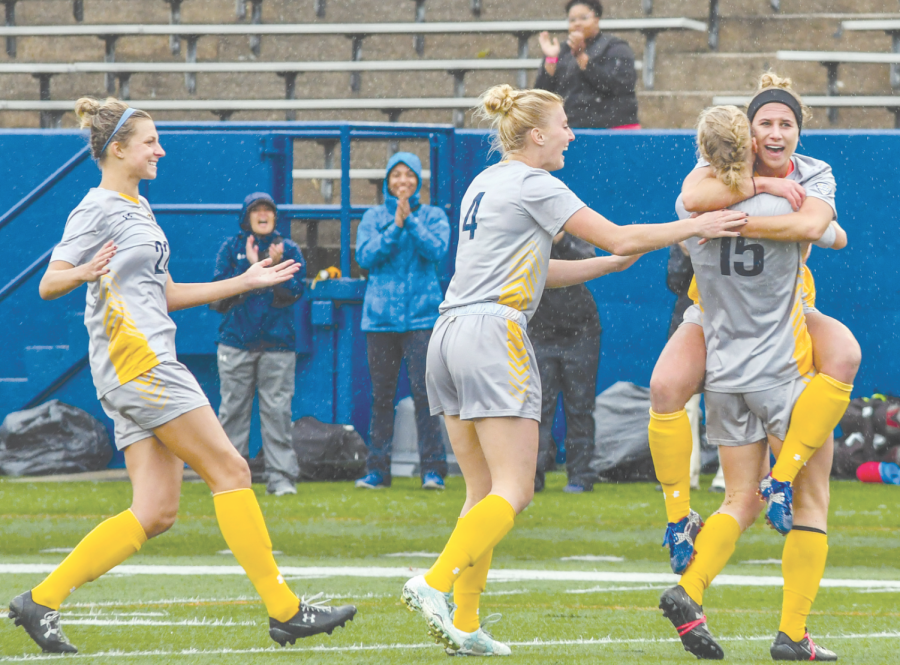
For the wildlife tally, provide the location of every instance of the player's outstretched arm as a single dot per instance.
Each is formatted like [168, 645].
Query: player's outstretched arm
[261, 275]
[594, 228]
[568, 273]
[62, 277]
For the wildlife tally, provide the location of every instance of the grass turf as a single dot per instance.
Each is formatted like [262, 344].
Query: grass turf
[183, 619]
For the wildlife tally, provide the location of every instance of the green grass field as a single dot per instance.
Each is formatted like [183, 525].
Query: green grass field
[172, 616]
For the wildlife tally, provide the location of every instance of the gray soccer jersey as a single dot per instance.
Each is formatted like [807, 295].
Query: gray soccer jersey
[508, 218]
[751, 297]
[126, 315]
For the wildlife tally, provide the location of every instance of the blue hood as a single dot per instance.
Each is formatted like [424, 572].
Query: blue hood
[413, 162]
[263, 241]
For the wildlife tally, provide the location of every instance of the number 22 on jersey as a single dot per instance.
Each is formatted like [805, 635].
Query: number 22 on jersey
[470, 223]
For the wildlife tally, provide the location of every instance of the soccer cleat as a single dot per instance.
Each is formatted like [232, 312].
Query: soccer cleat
[779, 499]
[371, 481]
[680, 538]
[576, 488]
[690, 622]
[314, 617]
[432, 481]
[481, 642]
[784, 648]
[281, 487]
[41, 623]
[434, 605]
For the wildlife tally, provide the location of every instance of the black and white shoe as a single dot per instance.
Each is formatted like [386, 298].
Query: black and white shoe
[41, 623]
[784, 648]
[313, 618]
[690, 622]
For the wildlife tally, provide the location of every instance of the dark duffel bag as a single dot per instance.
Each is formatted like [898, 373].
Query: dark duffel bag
[328, 452]
[869, 433]
[52, 438]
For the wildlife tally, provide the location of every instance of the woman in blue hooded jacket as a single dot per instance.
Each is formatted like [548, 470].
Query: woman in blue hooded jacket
[257, 350]
[400, 243]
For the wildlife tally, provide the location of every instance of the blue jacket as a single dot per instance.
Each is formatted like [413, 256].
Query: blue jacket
[260, 320]
[403, 292]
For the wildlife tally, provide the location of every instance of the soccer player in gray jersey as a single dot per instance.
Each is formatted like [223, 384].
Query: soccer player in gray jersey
[162, 419]
[481, 372]
[758, 362]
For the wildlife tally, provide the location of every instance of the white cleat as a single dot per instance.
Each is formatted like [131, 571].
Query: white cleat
[481, 643]
[434, 605]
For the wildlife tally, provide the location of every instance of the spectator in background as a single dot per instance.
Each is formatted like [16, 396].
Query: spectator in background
[257, 343]
[400, 243]
[565, 333]
[593, 72]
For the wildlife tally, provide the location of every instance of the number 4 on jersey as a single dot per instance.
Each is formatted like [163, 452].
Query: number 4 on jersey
[470, 226]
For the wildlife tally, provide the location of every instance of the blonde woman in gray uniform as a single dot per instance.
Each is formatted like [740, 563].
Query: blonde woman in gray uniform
[162, 419]
[481, 370]
[759, 361]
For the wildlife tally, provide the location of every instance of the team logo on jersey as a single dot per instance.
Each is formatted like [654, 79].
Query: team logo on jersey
[824, 188]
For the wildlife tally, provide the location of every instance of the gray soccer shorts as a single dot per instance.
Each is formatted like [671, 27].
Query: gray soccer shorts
[481, 364]
[739, 419]
[150, 400]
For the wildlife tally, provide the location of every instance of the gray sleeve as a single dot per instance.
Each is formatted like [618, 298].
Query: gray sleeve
[82, 237]
[549, 201]
[823, 186]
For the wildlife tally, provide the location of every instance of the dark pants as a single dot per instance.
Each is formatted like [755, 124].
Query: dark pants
[386, 351]
[568, 365]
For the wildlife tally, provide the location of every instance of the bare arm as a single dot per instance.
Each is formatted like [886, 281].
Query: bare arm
[569, 273]
[62, 277]
[702, 191]
[806, 225]
[640, 238]
[260, 276]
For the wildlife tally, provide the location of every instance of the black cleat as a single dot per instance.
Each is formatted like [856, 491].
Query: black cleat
[313, 618]
[41, 623]
[690, 622]
[784, 648]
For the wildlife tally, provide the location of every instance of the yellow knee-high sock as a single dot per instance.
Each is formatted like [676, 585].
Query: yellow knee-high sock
[714, 546]
[817, 412]
[475, 534]
[467, 593]
[670, 447]
[802, 565]
[104, 548]
[242, 524]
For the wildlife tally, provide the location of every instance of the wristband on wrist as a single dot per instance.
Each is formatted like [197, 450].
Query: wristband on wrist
[551, 60]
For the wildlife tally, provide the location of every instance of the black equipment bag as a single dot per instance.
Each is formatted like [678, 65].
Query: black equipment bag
[52, 438]
[328, 452]
[870, 432]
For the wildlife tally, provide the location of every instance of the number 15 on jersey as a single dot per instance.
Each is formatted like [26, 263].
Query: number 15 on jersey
[470, 223]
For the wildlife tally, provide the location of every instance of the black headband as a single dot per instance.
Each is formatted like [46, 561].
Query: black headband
[779, 96]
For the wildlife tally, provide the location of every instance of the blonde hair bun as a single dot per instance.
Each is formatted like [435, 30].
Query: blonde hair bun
[770, 79]
[513, 113]
[86, 108]
[499, 100]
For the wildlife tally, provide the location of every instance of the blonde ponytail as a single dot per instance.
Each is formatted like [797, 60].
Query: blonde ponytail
[723, 139]
[101, 118]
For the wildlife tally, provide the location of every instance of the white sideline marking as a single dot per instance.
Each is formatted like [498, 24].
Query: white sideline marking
[502, 575]
[397, 647]
[206, 623]
[57, 550]
[762, 562]
[594, 557]
[602, 589]
[430, 555]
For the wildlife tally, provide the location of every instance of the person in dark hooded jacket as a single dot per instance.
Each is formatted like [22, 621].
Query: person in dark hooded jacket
[400, 243]
[257, 343]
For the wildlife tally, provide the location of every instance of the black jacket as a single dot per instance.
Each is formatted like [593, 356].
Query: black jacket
[570, 311]
[679, 273]
[603, 94]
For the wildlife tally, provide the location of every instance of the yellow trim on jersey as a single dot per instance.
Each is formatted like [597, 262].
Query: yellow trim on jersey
[518, 292]
[809, 287]
[129, 351]
[803, 354]
[130, 198]
[519, 362]
[694, 293]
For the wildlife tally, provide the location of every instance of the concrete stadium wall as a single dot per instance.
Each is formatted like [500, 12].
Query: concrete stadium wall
[629, 177]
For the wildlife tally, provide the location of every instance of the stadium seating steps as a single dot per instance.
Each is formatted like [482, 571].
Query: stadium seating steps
[688, 73]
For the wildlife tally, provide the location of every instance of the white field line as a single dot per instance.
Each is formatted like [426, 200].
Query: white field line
[206, 623]
[605, 589]
[510, 575]
[398, 647]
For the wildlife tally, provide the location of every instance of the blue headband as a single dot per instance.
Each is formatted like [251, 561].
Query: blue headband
[128, 113]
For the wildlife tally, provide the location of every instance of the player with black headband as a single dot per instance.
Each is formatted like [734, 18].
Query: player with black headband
[759, 358]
